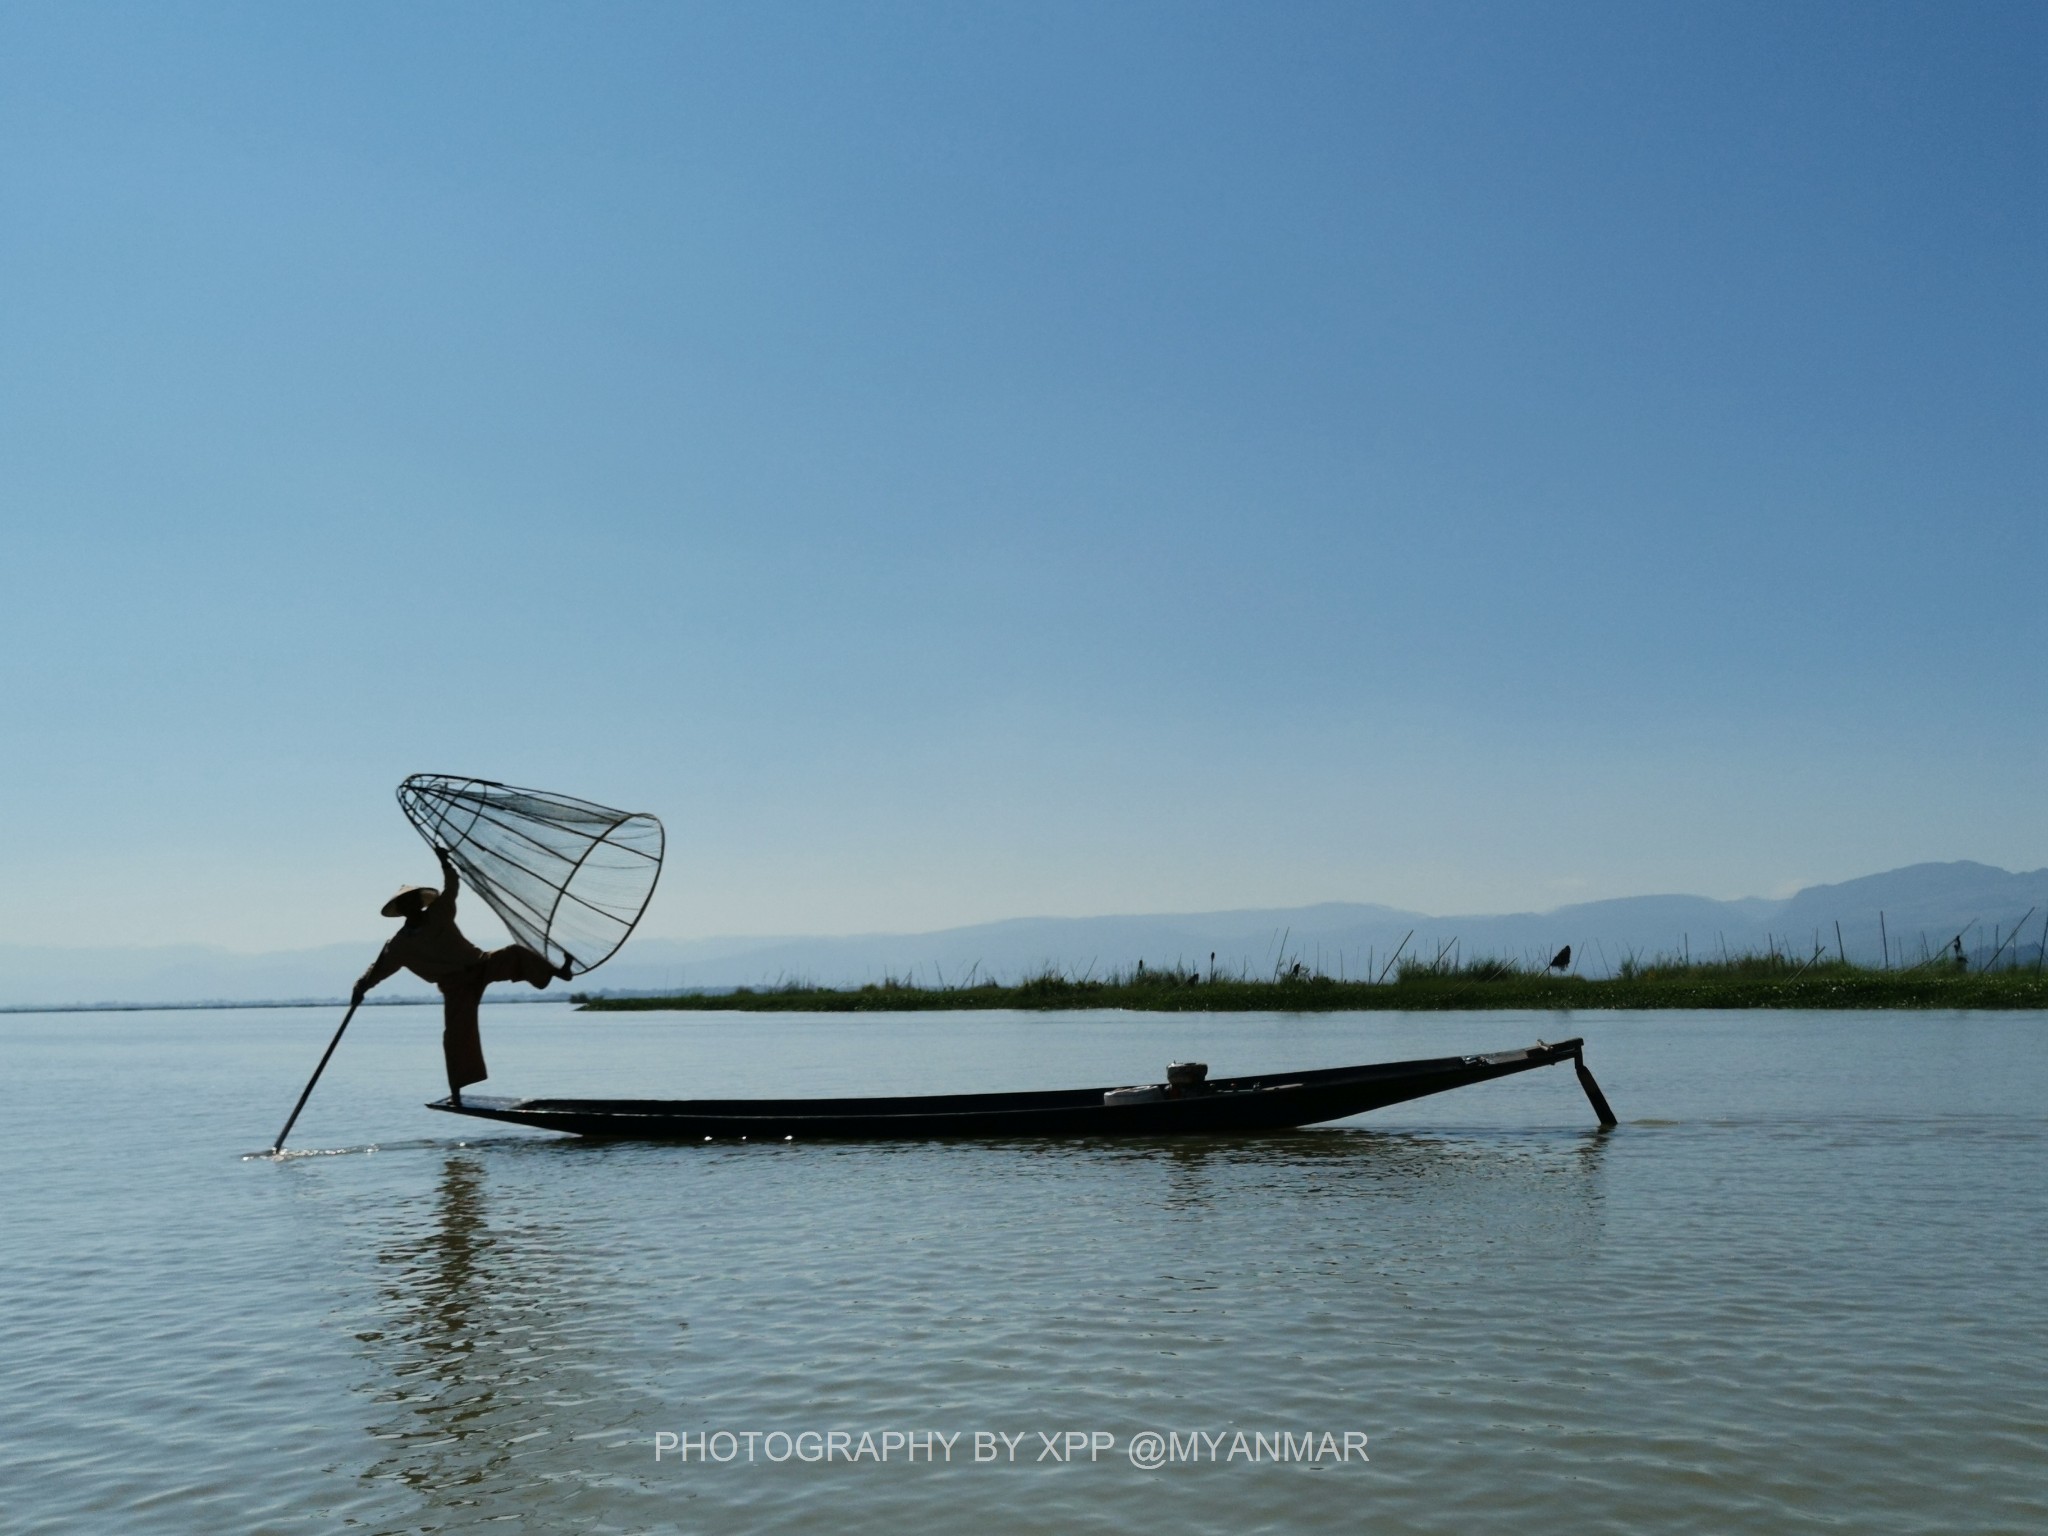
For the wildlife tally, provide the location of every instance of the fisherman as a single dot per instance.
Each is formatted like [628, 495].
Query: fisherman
[434, 949]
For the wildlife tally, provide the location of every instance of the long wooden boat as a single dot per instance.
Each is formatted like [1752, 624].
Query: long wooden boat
[1276, 1101]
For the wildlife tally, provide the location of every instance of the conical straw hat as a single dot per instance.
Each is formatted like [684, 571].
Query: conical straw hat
[410, 899]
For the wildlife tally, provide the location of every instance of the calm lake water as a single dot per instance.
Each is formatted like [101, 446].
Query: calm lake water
[1801, 1287]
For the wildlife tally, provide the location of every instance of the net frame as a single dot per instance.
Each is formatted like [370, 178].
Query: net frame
[446, 810]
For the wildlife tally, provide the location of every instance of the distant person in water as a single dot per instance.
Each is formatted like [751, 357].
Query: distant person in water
[433, 949]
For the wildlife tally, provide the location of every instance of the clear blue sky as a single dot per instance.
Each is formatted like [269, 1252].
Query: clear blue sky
[965, 461]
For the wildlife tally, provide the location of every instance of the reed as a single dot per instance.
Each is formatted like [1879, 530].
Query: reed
[1774, 979]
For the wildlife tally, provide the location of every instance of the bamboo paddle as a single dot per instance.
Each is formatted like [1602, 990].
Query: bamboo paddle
[278, 1147]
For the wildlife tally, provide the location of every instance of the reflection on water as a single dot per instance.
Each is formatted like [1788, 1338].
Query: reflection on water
[483, 1313]
[503, 1319]
[1804, 1287]
[1323, 1164]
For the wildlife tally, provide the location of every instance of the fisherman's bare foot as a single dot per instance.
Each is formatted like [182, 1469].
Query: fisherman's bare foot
[563, 972]
[455, 1097]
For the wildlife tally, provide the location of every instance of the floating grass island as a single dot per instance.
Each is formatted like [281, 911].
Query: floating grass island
[1757, 981]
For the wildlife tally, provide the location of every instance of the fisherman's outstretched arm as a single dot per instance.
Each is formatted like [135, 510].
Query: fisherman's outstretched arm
[381, 969]
[451, 882]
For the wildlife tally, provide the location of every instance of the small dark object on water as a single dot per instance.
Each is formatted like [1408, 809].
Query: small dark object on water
[1276, 1102]
[1561, 959]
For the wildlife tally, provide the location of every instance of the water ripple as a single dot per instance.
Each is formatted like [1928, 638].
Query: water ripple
[1791, 1294]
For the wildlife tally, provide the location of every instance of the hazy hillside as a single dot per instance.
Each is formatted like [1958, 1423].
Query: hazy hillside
[177, 973]
[1927, 903]
[1923, 905]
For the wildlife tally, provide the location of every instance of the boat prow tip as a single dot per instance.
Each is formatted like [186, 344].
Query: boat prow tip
[473, 1104]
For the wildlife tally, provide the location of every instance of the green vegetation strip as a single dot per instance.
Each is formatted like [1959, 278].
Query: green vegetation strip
[1738, 985]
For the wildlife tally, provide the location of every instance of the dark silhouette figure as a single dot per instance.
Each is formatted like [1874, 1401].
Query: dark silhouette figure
[1561, 960]
[434, 949]
[1962, 960]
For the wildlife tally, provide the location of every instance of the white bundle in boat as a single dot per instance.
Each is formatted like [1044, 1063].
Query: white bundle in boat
[1182, 1077]
[1152, 1095]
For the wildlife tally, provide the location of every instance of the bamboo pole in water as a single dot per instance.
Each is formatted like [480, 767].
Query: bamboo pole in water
[278, 1146]
[1593, 1094]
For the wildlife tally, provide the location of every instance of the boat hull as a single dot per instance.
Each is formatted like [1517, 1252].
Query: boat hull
[1274, 1102]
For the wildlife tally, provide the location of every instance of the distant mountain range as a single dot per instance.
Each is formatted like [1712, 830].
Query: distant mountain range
[1924, 906]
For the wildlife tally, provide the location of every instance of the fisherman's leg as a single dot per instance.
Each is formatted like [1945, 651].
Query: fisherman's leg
[462, 1044]
[515, 962]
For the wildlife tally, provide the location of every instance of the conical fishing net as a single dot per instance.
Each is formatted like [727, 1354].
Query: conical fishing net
[569, 878]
